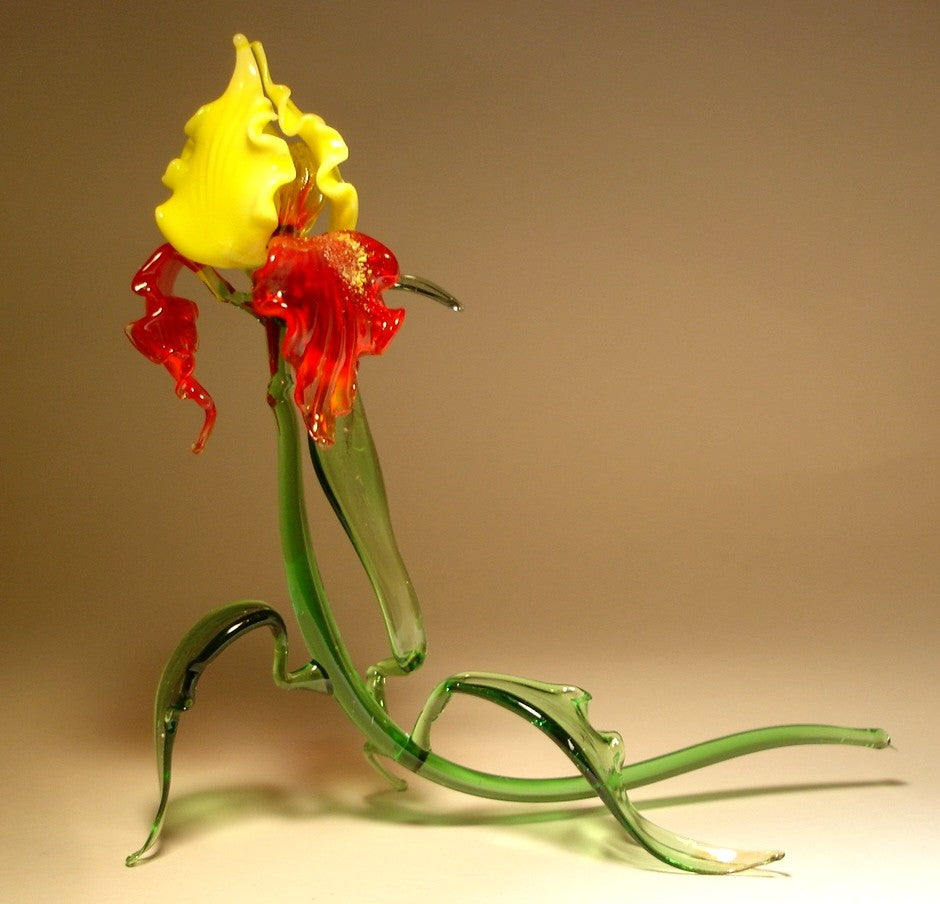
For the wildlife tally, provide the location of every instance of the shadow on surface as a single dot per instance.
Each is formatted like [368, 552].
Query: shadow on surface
[588, 831]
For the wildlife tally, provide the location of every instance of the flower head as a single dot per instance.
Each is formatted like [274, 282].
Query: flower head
[244, 196]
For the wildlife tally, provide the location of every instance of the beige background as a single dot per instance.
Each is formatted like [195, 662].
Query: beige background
[681, 448]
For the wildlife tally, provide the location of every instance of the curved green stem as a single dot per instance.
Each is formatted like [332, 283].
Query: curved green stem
[561, 713]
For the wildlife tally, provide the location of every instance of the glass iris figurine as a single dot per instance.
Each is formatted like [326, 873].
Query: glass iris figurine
[253, 177]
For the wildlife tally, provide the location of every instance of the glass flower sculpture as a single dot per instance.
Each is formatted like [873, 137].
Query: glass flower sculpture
[252, 179]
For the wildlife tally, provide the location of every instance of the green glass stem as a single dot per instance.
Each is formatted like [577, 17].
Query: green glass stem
[351, 478]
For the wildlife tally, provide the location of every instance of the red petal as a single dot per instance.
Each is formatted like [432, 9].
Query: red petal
[326, 289]
[166, 334]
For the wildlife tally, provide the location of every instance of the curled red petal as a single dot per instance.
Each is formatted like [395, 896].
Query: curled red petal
[327, 291]
[166, 334]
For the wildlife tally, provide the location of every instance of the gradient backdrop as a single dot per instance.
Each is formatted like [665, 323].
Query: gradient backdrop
[680, 449]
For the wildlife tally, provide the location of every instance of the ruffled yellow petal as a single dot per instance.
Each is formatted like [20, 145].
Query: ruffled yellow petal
[222, 211]
[329, 149]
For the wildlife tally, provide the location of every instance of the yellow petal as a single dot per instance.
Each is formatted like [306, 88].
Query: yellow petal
[222, 211]
[329, 149]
